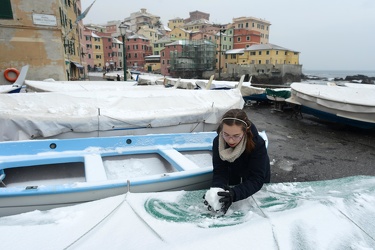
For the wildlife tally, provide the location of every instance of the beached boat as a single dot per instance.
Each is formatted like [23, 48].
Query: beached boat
[351, 105]
[330, 214]
[50, 85]
[17, 85]
[42, 174]
[134, 111]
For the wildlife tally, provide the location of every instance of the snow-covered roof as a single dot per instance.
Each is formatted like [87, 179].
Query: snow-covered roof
[137, 36]
[235, 51]
[266, 46]
[95, 35]
[199, 21]
[115, 40]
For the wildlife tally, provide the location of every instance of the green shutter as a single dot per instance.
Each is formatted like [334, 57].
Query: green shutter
[5, 10]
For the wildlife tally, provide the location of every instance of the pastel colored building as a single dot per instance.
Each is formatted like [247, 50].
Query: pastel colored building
[180, 33]
[137, 48]
[160, 45]
[43, 34]
[255, 24]
[141, 18]
[271, 54]
[243, 38]
[176, 23]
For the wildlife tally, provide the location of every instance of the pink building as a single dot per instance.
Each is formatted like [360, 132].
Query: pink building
[165, 56]
[107, 41]
[137, 48]
[87, 49]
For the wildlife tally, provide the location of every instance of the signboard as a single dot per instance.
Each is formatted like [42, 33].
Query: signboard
[43, 19]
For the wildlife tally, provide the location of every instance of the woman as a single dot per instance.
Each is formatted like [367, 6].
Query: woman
[240, 158]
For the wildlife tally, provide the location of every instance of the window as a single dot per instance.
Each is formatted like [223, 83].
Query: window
[252, 53]
[260, 53]
[260, 62]
[267, 52]
[238, 39]
[248, 38]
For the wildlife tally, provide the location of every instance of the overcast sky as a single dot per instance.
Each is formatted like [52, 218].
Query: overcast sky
[329, 34]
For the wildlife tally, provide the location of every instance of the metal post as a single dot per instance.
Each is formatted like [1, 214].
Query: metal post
[220, 56]
[124, 54]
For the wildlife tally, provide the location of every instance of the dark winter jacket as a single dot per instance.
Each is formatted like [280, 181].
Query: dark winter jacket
[248, 172]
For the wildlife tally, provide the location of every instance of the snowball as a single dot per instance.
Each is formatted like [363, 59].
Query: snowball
[213, 199]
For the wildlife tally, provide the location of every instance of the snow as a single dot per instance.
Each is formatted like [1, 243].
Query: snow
[335, 214]
[213, 199]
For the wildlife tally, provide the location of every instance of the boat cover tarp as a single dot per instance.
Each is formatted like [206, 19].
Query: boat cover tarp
[36, 115]
[333, 214]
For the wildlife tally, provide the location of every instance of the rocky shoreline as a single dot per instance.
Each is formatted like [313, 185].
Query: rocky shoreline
[354, 78]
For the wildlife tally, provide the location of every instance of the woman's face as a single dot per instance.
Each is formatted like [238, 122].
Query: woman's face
[232, 134]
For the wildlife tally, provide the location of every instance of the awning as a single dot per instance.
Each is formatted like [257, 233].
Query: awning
[77, 64]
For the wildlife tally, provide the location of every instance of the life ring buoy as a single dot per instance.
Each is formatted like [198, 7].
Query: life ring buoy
[10, 78]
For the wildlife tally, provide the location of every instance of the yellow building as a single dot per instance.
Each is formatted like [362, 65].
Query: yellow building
[97, 50]
[196, 25]
[268, 54]
[42, 34]
[253, 23]
[176, 23]
[150, 33]
[180, 34]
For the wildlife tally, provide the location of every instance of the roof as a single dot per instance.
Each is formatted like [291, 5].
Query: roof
[199, 21]
[190, 42]
[94, 35]
[137, 36]
[115, 40]
[266, 46]
[235, 51]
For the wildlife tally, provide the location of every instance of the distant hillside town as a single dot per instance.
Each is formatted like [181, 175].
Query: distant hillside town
[56, 44]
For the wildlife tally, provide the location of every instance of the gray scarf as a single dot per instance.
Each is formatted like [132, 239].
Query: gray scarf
[231, 154]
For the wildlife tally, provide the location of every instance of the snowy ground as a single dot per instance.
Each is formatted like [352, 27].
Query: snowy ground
[336, 214]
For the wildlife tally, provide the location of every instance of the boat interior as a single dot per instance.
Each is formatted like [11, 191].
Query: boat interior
[58, 170]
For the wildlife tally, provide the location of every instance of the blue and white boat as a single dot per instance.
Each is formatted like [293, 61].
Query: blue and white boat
[352, 105]
[44, 174]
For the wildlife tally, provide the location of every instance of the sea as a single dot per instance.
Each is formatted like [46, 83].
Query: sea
[331, 74]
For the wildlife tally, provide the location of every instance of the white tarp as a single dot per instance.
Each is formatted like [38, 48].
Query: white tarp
[40, 115]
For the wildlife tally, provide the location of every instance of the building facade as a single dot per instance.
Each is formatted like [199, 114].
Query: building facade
[43, 34]
[255, 24]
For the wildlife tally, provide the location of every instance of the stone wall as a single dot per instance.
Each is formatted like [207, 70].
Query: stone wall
[264, 73]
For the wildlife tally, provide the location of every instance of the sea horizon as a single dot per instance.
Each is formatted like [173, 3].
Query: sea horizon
[338, 73]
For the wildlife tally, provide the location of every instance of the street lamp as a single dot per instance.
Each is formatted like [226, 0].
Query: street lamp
[123, 33]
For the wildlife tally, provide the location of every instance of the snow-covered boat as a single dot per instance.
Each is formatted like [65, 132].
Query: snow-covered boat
[42, 174]
[351, 105]
[133, 111]
[17, 85]
[331, 214]
[50, 85]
